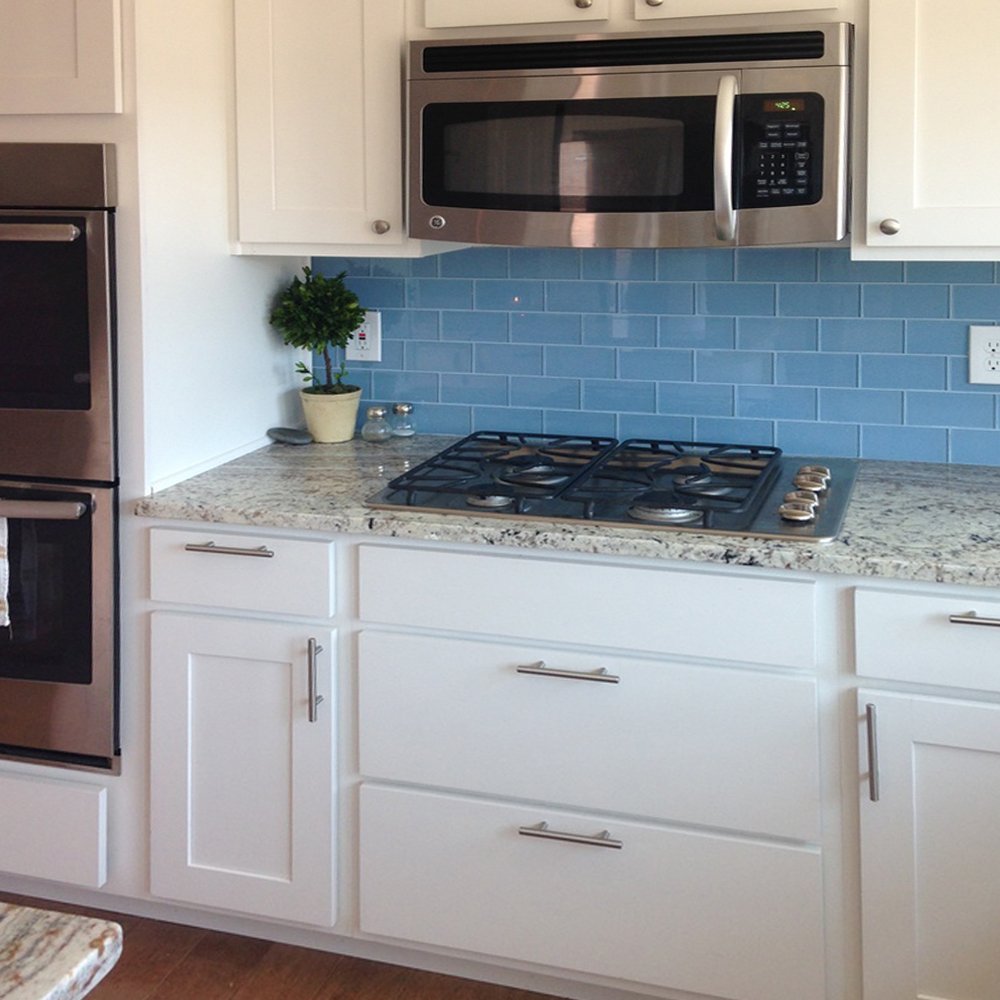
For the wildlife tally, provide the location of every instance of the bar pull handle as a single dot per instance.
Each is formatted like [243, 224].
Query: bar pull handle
[871, 724]
[540, 670]
[314, 649]
[228, 550]
[602, 839]
[31, 232]
[971, 618]
[725, 111]
[43, 510]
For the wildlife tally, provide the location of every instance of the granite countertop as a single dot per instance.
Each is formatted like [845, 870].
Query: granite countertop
[46, 955]
[906, 520]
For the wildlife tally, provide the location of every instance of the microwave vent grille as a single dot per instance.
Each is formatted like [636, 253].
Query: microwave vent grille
[641, 51]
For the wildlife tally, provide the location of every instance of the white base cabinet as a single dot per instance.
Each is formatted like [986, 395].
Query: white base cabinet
[242, 806]
[694, 911]
[930, 862]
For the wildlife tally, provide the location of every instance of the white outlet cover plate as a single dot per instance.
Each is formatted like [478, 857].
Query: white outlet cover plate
[984, 355]
[369, 347]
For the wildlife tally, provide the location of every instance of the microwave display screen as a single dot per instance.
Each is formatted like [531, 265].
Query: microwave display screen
[785, 104]
[640, 154]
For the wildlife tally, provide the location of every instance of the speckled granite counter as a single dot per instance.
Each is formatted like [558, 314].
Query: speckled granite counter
[46, 955]
[907, 521]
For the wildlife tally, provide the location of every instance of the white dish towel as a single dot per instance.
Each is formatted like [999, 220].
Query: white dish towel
[4, 575]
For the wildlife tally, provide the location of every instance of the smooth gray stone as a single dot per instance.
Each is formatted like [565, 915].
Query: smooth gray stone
[289, 435]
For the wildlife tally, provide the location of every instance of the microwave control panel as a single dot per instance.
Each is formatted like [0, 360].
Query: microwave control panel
[782, 150]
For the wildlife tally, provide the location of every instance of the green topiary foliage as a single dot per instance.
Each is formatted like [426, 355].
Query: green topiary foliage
[319, 313]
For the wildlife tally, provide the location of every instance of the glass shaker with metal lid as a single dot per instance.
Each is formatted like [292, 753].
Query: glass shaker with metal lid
[402, 420]
[376, 427]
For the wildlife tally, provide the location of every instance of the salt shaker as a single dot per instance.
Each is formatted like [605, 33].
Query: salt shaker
[402, 420]
[376, 427]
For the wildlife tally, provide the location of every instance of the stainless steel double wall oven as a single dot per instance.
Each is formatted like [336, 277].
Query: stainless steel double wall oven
[58, 464]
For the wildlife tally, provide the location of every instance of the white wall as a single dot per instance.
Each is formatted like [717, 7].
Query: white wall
[216, 375]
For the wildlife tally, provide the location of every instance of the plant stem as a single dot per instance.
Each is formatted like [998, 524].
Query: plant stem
[329, 366]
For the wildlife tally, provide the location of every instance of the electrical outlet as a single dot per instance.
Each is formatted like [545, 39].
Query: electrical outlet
[367, 342]
[984, 355]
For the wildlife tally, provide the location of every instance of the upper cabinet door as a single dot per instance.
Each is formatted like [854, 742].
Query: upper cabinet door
[60, 57]
[652, 9]
[933, 139]
[469, 13]
[319, 134]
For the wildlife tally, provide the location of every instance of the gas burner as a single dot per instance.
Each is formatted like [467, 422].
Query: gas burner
[659, 507]
[541, 472]
[701, 482]
[489, 498]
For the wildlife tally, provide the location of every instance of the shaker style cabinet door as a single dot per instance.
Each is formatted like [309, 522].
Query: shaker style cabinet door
[933, 140]
[60, 57]
[242, 807]
[930, 811]
[319, 132]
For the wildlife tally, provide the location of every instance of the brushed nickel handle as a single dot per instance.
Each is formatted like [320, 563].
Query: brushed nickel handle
[29, 232]
[43, 510]
[725, 109]
[971, 618]
[654, 3]
[381, 227]
[540, 670]
[229, 550]
[313, 651]
[602, 839]
[584, 3]
[871, 724]
[889, 227]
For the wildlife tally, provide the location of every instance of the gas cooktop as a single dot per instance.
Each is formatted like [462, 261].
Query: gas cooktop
[680, 485]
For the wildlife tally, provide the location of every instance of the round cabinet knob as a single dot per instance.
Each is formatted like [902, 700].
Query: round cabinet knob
[889, 227]
[381, 227]
[583, 4]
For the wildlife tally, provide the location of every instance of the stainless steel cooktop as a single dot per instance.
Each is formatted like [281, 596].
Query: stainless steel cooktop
[728, 489]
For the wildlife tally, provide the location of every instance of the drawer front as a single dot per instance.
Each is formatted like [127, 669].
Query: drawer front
[671, 612]
[911, 637]
[245, 572]
[474, 13]
[55, 830]
[690, 911]
[705, 745]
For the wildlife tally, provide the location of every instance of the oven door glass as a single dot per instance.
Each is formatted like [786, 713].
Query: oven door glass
[636, 154]
[57, 614]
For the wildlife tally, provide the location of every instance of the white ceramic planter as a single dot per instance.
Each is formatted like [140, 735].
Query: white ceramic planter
[331, 417]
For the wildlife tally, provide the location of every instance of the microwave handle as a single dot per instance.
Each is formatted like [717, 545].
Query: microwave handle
[725, 114]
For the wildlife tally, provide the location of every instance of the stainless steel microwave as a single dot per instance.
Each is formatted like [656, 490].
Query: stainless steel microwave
[686, 139]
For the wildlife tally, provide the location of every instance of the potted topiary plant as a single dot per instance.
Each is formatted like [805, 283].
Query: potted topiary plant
[321, 313]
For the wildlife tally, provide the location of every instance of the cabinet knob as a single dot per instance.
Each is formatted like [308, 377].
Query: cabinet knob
[381, 227]
[889, 226]
[584, 3]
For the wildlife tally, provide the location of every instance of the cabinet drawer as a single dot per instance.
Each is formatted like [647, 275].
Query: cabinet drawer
[247, 572]
[672, 612]
[911, 637]
[691, 911]
[705, 745]
[645, 10]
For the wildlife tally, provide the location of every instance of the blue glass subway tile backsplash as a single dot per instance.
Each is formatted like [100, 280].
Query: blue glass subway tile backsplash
[804, 349]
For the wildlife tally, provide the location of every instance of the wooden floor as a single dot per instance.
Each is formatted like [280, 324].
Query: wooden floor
[162, 961]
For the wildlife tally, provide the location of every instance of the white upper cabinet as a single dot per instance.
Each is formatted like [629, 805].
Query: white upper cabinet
[469, 13]
[933, 140]
[60, 57]
[319, 129]
[653, 9]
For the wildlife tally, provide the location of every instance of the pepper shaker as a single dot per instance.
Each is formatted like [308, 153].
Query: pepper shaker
[402, 420]
[376, 428]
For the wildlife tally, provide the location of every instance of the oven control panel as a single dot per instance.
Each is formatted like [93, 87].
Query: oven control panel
[782, 150]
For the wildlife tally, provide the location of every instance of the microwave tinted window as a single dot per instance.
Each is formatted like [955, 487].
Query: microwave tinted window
[637, 155]
[44, 316]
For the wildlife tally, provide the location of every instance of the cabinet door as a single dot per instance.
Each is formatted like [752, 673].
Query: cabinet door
[319, 133]
[60, 57]
[654, 9]
[930, 864]
[468, 13]
[933, 141]
[242, 780]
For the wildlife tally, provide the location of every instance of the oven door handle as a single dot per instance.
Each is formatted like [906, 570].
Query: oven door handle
[33, 232]
[725, 114]
[43, 510]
